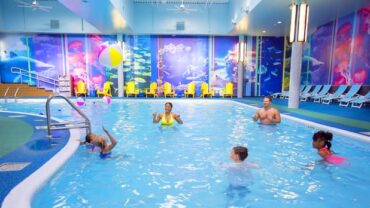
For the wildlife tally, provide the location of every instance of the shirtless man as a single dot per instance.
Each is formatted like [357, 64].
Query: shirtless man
[267, 114]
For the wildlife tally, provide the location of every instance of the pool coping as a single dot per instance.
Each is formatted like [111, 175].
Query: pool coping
[21, 195]
[311, 124]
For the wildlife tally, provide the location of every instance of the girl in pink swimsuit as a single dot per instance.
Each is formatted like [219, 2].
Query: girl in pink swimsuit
[321, 142]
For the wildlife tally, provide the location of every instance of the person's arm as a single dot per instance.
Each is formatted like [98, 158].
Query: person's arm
[256, 116]
[156, 117]
[276, 117]
[177, 118]
[113, 141]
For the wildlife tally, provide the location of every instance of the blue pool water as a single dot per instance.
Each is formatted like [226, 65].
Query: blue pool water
[184, 165]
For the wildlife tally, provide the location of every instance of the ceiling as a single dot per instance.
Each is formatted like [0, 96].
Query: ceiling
[249, 17]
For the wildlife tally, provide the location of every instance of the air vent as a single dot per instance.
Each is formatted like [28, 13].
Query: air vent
[54, 24]
[180, 26]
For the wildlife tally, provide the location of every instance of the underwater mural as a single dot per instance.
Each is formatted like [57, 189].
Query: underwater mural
[225, 64]
[182, 60]
[271, 65]
[138, 64]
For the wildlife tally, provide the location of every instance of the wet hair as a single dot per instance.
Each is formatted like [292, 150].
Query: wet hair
[241, 151]
[169, 103]
[323, 136]
[268, 97]
[87, 139]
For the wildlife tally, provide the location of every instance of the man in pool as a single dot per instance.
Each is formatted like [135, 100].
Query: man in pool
[267, 114]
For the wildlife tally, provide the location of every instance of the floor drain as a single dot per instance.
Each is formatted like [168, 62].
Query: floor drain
[13, 166]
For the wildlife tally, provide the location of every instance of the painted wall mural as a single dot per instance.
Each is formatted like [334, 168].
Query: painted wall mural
[182, 60]
[340, 51]
[138, 64]
[271, 65]
[225, 64]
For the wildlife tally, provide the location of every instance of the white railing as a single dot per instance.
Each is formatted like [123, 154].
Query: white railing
[35, 76]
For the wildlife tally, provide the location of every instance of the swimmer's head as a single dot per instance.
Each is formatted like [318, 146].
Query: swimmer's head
[322, 139]
[239, 153]
[168, 107]
[267, 100]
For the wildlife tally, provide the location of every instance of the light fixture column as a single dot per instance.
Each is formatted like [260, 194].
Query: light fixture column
[241, 55]
[120, 68]
[298, 35]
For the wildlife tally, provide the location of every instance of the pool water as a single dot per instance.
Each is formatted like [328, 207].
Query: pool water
[189, 166]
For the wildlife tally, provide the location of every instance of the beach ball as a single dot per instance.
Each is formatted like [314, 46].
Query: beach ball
[106, 99]
[80, 101]
[110, 56]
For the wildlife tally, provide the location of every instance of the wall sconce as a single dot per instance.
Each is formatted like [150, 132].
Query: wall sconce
[298, 22]
[242, 48]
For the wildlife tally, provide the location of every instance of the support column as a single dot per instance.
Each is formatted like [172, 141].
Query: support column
[241, 50]
[120, 68]
[295, 74]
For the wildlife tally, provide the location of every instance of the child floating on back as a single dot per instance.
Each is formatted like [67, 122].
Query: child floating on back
[321, 141]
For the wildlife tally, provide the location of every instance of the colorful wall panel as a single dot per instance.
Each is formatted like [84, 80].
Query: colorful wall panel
[182, 60]
[225, 62]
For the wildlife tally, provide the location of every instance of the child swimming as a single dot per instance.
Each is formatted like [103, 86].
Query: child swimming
[321, 142]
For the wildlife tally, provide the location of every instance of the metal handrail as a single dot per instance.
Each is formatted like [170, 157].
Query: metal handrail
[87, 121]
[36, 76]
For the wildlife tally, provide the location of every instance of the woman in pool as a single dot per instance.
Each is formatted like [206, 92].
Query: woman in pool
[101, 142]
[167, 118]
[321, 142]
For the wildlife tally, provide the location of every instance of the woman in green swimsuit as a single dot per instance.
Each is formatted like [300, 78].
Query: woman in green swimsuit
[167, 118]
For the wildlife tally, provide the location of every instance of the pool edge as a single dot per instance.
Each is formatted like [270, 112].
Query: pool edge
[21, 195]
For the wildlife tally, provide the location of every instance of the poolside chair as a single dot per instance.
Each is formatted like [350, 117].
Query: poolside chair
[130, 89]
[314, 92]
[107, 91]
[357, 103]
[285, 93]
[304, 91]
[152, 90]
[190, 90]
[167, 90]
[336, 95]
[350, 95]
[323, 93]
[228, 90]
[205, 91]
[81, 88]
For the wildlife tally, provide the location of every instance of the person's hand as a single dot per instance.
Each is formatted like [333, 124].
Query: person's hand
[105, 130]
[154, 115]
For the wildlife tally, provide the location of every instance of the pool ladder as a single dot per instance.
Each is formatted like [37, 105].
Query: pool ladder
[66, 125]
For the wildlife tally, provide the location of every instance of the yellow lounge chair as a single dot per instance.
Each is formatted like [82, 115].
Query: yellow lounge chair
[152, 91]
[190, 90]
[205, 92]
[107, 90]
[167, 90]
[130, 89]
[228, 90]
[81, 88]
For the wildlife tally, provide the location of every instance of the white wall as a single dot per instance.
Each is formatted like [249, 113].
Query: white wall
[151, 19]
[29, 20]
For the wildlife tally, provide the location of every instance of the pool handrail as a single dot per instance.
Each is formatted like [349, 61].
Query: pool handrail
[67, 125]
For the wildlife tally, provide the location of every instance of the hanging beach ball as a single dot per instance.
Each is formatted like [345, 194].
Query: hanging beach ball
[80, 101]
[111, 56]
[106, 99]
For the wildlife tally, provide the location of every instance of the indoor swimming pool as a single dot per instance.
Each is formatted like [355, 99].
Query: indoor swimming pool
[186, 165]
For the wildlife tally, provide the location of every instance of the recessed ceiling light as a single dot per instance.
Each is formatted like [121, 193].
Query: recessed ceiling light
[279, 22]
[263, 31]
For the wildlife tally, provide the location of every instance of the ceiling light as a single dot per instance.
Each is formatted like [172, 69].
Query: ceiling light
[279, 22]
[34, 2]
[298, 22]
[263, 31]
